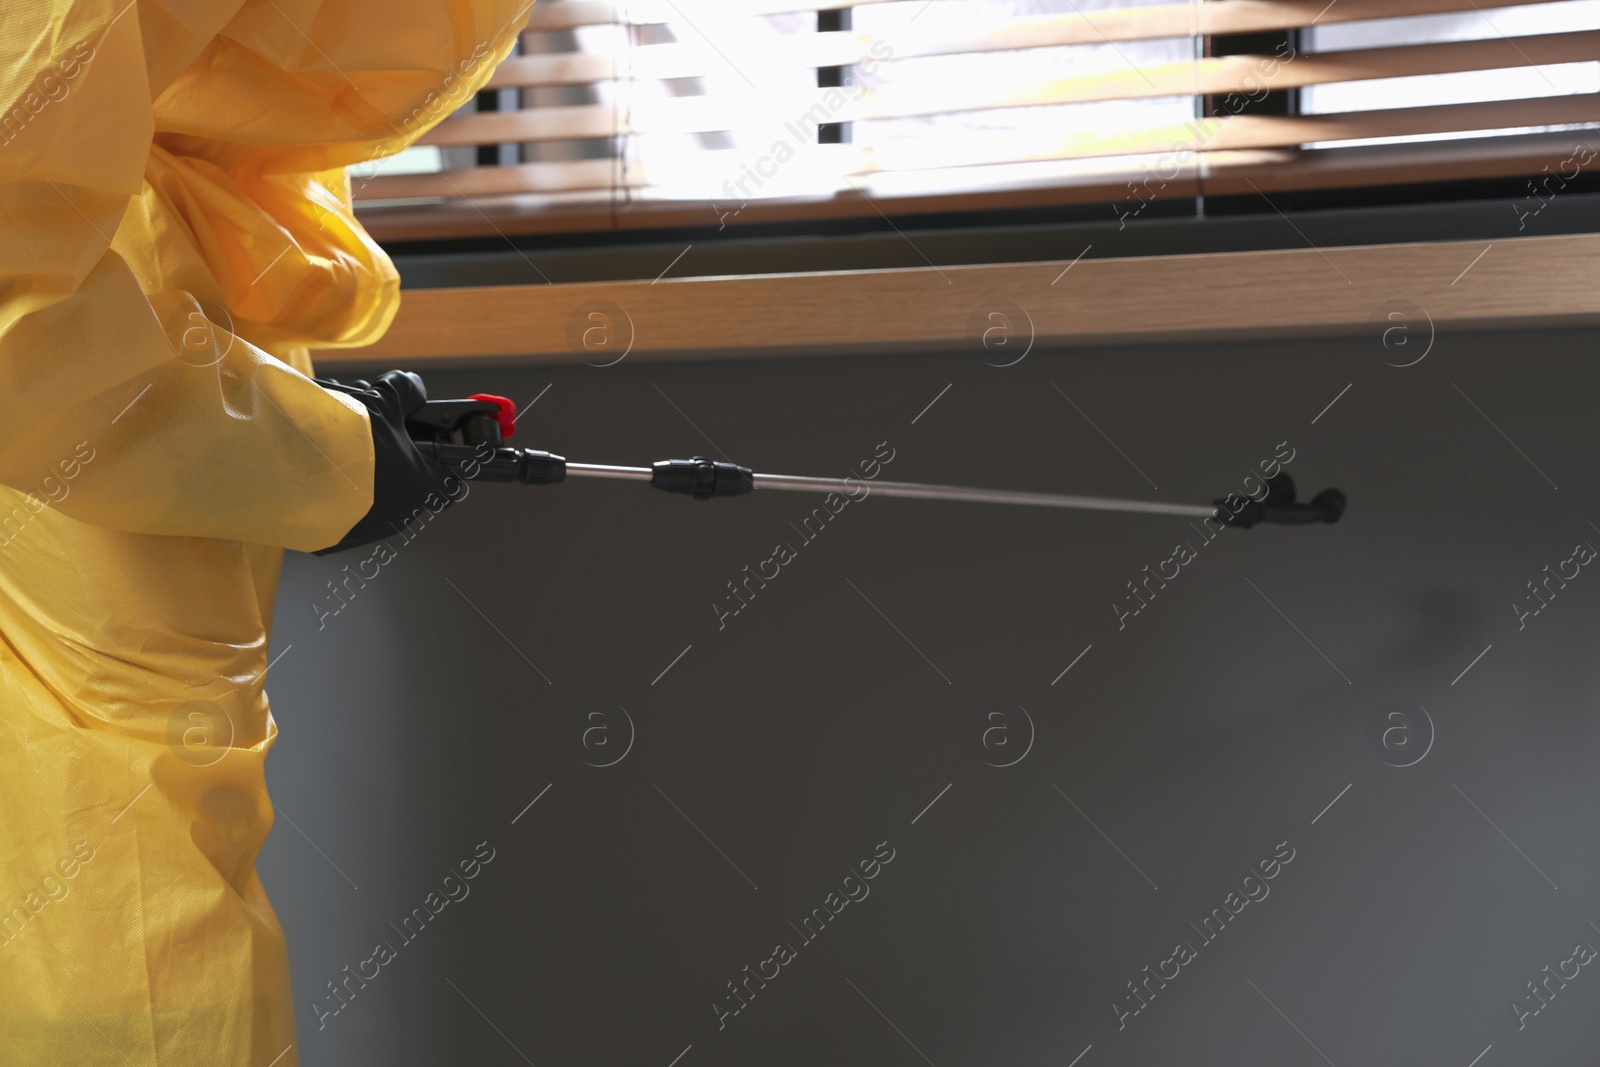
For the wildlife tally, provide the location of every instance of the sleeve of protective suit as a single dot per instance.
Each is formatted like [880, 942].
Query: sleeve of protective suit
[178, 222]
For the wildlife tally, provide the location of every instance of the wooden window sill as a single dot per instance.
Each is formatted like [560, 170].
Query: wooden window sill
[1531, 281]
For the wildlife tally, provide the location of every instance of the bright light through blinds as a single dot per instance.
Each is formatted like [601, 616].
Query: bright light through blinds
[912, 111]
[911, 151]
[706, 111]
[711, 103]
[744, 118]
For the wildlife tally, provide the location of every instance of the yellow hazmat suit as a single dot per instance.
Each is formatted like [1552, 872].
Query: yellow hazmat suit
[175, 235]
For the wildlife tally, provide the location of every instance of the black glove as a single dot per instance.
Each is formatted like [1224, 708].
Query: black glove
[404, 481]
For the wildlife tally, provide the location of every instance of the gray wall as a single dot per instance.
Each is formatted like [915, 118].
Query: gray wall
[780, 751]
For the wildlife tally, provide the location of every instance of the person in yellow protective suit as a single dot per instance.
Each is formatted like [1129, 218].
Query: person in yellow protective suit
[175, 237]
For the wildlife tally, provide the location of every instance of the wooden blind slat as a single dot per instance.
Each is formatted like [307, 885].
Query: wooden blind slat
[567, 68]
[518, 178]
[549, 15]
[1249, 74]
[1243, 132]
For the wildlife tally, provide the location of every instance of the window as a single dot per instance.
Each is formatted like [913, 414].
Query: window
[1529, 81]
[617, 114]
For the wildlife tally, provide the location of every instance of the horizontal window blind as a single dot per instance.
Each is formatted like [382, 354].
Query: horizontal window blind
[635, 113]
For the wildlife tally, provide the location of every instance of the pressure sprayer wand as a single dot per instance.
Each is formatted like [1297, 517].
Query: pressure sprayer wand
[911, 490]
[469, 435]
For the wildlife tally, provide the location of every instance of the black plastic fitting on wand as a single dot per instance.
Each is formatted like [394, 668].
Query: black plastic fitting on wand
[702, 478]
[1279, 506]
[502, 464]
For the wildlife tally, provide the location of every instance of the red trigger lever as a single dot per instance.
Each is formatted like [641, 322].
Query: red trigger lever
[507, 415]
